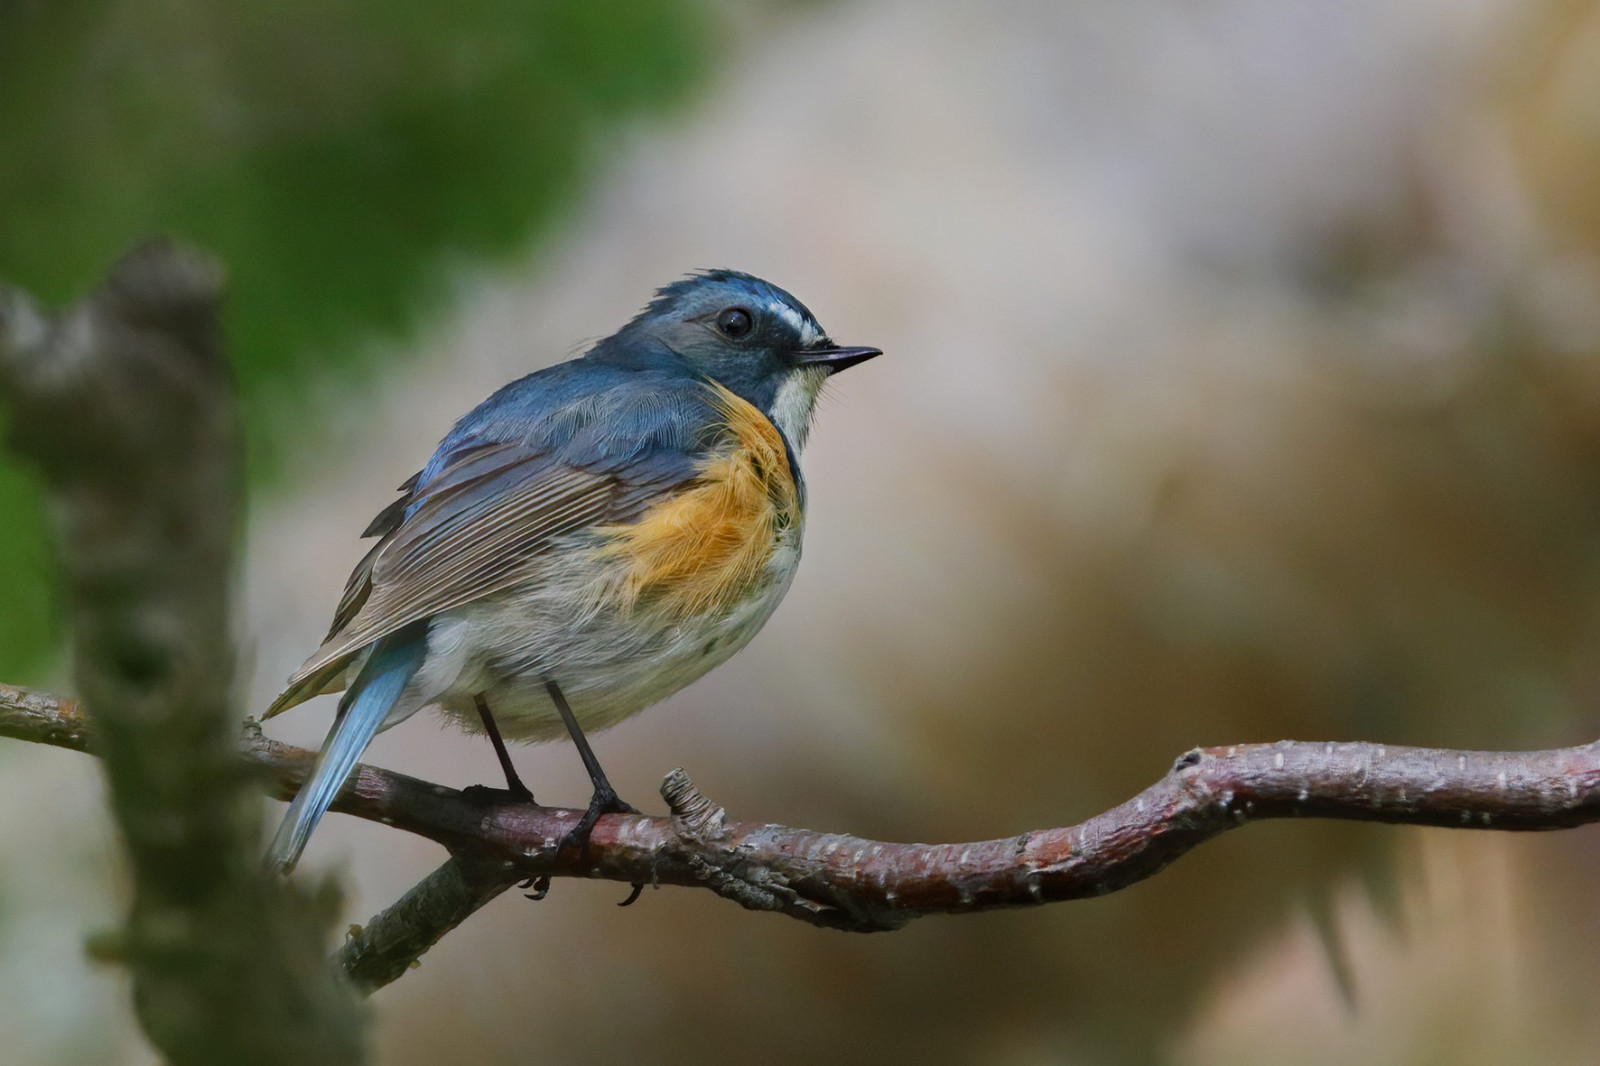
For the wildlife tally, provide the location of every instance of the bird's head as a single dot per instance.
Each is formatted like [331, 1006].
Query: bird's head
[744, 333]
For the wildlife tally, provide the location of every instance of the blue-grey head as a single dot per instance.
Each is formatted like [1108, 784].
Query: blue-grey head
[746, 334]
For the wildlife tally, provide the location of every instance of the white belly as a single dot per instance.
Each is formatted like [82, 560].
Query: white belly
[609, 663]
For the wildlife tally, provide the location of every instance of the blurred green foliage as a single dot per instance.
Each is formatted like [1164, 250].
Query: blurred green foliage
[334, 153]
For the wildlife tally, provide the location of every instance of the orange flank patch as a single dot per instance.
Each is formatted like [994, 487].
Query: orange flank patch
[701, 550]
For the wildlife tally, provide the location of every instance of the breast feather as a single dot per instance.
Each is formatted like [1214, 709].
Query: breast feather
[705, 548]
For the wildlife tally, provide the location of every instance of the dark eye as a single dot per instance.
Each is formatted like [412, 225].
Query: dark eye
[735, 322]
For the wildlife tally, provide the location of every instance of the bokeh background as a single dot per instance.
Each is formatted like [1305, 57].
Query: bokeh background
[1243, 382]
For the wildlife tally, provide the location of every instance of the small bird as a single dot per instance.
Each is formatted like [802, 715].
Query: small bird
[586, 542]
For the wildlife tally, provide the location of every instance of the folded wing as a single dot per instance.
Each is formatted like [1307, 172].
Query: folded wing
[487, 509]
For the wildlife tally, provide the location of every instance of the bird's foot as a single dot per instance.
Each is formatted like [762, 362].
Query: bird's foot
[485, 795]
[604, 801]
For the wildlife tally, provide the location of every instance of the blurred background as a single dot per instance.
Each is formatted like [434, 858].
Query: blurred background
[1243, 382]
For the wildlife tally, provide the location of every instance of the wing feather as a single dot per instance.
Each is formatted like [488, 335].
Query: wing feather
[477, 527]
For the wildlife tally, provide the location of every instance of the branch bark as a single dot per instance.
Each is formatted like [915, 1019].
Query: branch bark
[848, 883]
[391, 943]
[125, 407]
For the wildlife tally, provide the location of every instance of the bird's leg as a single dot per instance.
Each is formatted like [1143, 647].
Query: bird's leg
[605, 799]
[514, 784]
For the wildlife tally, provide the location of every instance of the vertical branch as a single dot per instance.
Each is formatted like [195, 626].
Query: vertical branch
[125, 405]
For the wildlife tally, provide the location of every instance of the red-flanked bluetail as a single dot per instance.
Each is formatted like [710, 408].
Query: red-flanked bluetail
[587, 541]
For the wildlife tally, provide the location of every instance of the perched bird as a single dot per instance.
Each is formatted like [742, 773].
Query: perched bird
[587, 541]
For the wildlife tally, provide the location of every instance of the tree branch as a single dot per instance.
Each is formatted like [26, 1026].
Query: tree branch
[844, 882]
[125, 407]
[394, 940]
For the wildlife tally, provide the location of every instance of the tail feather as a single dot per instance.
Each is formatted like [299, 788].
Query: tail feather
[362, 712]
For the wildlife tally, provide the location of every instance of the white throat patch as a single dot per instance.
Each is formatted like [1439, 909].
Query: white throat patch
[792, 407]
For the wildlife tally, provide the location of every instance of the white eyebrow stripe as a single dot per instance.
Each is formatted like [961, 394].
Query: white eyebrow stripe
[790, 316]
[807, 330]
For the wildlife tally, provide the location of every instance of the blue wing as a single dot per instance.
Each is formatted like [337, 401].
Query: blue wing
[578, 445]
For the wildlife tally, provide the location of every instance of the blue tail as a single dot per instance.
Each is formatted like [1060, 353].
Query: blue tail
[361, 715]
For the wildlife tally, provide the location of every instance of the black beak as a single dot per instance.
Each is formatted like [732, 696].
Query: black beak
[837, 359]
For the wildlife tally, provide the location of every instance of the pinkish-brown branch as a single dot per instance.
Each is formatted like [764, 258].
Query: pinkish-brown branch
[845, 882]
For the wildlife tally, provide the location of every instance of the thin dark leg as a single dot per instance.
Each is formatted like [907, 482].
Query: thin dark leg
[514, 783]
[605, 799]
[597, 776]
